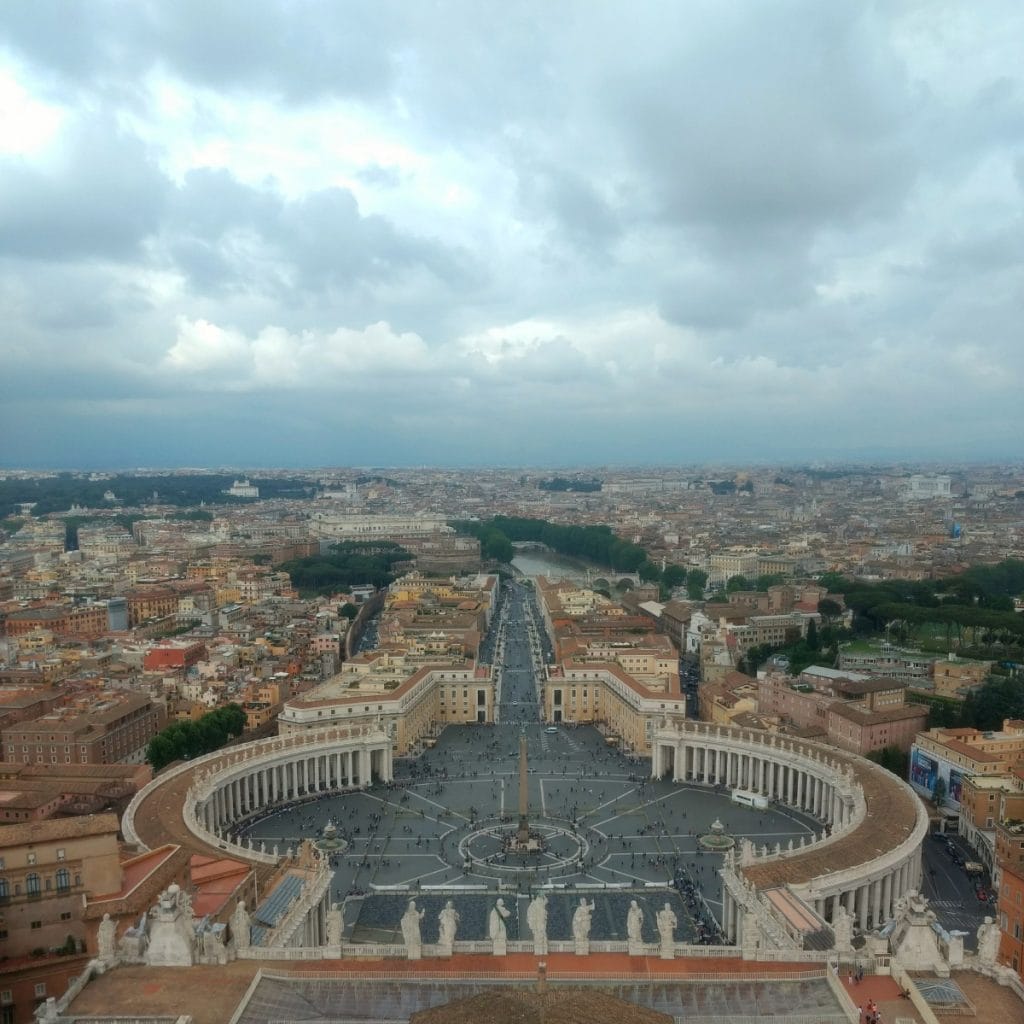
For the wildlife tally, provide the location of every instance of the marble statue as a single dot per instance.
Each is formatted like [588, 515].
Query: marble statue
[667, 922]
[411, 930]
[105, 937]
[447, 925]
[842, 929]
[240, 926]
[634, 928]
[496, 927]
[634, 920]
[988, 942]
[537, 919]
[581, 926]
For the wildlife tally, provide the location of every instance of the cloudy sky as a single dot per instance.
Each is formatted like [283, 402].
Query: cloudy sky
[453, 233]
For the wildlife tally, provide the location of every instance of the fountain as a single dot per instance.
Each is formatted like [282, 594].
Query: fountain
[716, 840]
[330, 840]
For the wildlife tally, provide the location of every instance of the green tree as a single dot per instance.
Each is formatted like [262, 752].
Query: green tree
[674, 576]
[696, 581]
[829, 610]
[812, 636]
[892, 759]
[737, 583]
[348, 610]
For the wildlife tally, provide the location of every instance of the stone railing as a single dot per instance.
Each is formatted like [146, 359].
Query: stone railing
[397, 951]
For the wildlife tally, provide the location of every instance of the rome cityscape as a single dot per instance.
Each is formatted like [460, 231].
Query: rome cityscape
[511, 513]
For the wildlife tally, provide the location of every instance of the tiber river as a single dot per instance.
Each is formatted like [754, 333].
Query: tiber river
[547, 563]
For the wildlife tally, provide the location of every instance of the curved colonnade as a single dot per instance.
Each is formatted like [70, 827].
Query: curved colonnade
[868, 856]
[871, 854]
[226, 788]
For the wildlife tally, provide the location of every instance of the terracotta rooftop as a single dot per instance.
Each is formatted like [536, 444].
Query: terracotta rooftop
[864, 716]
[59, 828]
[212, 994]
[889, 820]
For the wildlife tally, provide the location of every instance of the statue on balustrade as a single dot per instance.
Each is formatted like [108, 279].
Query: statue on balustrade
[496, 927]
[411, 920]
[537, 919]
[667, 922]
[581, 921]
[448, 923]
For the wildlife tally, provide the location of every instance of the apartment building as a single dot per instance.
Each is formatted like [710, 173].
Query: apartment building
[885, 659]
[63, 620]
[857, 713]
[47, 871]
[107, 727]
[610, 698]
[411, 704]
[953, 676]
[150, 602]
[174, 654]
[723, 701]
[951, 755]
[1010, 911]
[354, 526]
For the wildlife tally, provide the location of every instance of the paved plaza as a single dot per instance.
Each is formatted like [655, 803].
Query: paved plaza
[441, 829]
[440, 824]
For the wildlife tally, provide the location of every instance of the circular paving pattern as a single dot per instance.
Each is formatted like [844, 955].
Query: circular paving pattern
[563, 849]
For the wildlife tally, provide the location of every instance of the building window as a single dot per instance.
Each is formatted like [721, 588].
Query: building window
[32, 884]
[5, 892]
[36, 925]
[66, 916]
[6, 997]
[63, 879]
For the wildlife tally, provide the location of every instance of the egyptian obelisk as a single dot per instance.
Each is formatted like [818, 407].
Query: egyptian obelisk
[523, 834]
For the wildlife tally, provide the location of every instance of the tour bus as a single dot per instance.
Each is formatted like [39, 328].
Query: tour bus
[755, 800]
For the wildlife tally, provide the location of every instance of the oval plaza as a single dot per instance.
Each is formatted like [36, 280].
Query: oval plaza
[818, 845]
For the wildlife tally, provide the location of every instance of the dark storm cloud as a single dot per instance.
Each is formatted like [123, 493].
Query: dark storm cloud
[764, 123]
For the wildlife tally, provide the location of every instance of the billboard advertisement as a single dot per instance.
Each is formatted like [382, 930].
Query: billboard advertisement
[956, 783]
[923, 770]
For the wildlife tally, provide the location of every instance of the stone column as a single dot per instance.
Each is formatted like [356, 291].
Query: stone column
[876, 903]
[862, 904]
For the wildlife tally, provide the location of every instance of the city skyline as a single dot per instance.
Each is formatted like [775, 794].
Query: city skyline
[467, 235]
